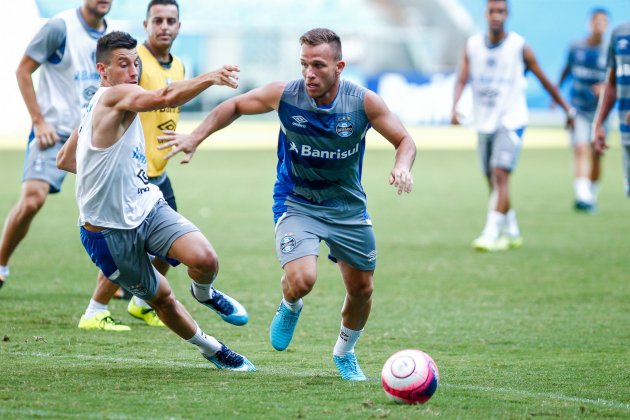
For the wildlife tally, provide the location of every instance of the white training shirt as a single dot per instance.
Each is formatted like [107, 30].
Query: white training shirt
[497, 78]
[66, 84]
[112, 186]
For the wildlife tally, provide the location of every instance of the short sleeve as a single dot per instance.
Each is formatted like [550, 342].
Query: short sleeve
[47, 42]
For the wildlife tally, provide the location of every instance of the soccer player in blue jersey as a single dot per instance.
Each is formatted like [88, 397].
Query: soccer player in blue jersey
[586, 63]
[616, 88]
[318, 193]
[62, 50]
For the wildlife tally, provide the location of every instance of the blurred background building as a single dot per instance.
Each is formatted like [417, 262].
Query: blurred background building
[406, 50]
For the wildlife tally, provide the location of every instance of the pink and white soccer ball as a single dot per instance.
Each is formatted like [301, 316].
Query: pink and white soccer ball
[410, 377]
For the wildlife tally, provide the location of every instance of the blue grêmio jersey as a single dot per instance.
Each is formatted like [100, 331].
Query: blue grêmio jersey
[320, 152]
[619, 62]
[587, 64]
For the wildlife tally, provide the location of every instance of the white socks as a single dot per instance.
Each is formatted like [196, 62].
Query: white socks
[293, 306]
[346, 341]
[202, 291]
[93, 308]
[511, 225]
[207, 344]
[583, 192]
[141, 302]
[494, 224]
[4, 271]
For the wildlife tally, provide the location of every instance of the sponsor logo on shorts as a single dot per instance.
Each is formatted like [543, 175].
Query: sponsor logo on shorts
[344, 126]
[287, 243]
[138, 289]
[372, 255]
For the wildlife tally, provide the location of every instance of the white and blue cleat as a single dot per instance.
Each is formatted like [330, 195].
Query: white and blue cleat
[228, 308]
[282, 327]
[228, 359]
[348, 367]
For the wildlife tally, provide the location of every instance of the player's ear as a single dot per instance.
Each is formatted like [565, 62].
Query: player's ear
[144, 24]
[101, 68]
[340, 66]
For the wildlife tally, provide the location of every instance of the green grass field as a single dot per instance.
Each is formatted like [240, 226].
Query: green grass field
[543, 331]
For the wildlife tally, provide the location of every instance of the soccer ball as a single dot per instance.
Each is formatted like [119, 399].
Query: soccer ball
[410, 377]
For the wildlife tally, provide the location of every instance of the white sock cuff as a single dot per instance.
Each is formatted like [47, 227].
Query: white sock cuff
[293, 306]
[4, 270]
[141, 302]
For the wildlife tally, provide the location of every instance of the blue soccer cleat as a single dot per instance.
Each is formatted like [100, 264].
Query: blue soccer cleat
[228, 359]
[229, 309]
[282, 327]
[348, 367]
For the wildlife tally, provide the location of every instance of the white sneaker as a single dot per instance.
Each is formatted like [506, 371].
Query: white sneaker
[488, 244]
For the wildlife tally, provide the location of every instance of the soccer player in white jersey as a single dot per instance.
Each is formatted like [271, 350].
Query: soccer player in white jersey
[158, 68]
[495, 64]
[123, 217]
[318, 193]
[63, 51]
[586, 64]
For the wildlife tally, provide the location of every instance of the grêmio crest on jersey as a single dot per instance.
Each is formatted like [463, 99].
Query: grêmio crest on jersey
[344, 126]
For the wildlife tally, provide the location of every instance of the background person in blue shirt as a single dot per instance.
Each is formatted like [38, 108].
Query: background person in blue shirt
[586, 64]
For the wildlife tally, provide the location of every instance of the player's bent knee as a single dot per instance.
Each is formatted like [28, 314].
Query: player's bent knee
[204, 259]
[32, 203]
[301, 282]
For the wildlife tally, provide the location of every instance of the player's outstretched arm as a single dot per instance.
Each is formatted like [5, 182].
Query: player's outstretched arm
[256, 101]
[389, 126]
[132, 98]
[67, 156]
[460, 83]
[532, 64]
[606, 102]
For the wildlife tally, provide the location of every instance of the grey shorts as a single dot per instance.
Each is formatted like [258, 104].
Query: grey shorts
[350, 240]
[122, 254]
[582, 132]
[500, 149]
[42, 164]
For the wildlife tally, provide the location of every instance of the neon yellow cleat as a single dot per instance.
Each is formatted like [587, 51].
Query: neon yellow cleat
[515, 242]
[148, 315]
[102, 321]
[486, 244]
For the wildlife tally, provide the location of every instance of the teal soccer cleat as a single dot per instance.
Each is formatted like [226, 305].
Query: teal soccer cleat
[282, 327]
[348, 367]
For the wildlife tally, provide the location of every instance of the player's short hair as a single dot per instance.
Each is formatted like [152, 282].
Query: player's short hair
[113, 41]
[598, 10]
[162, 3]
[504, 1]
[319, 36]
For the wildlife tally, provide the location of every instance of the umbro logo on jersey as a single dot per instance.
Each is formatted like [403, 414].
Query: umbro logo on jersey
[89, 92]
[622, 44]
[168, 125]
[299, 121]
